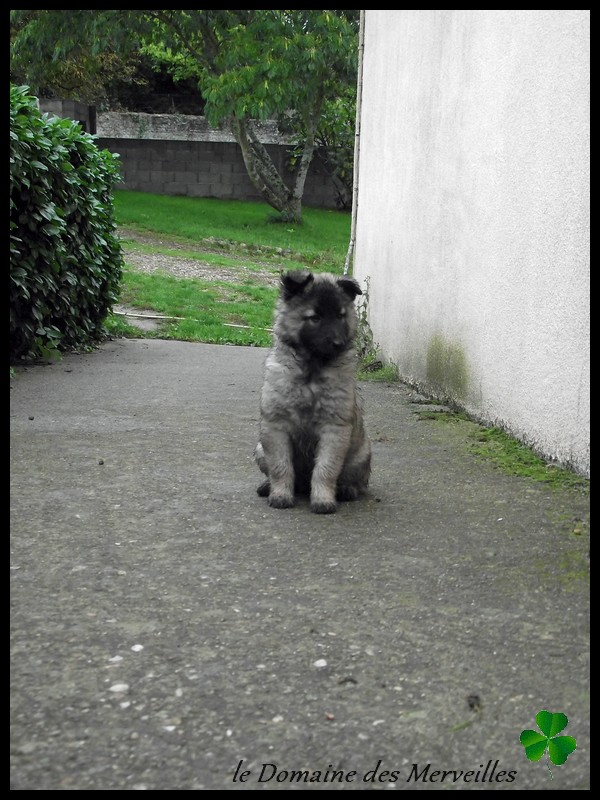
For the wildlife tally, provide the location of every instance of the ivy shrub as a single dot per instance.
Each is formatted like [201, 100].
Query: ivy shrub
[65, 258]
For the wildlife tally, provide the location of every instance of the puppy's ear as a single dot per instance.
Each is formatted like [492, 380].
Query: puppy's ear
[294, 282]
[350, 286]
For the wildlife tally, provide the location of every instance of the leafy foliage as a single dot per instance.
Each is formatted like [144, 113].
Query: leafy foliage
[334, 144]
[75, 70]
[248, 65]
[65, 259]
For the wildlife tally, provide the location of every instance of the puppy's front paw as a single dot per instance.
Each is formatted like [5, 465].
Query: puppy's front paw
[264, 489]
[281, 501]
[323, 507]
[347, 493]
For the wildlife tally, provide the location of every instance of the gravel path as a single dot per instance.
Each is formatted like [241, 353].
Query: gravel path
[182, 267]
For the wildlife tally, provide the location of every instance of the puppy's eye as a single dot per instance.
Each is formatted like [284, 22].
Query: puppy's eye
[314, 318]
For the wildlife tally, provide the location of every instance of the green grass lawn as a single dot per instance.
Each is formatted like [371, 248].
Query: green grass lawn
[213, 311]
[235, 236]
[321, 240]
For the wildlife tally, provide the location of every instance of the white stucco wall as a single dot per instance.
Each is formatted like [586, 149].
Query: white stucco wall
[473, 213]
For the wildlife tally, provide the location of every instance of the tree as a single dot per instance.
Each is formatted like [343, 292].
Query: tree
[335, 141]
[79, 74]
[249, 65]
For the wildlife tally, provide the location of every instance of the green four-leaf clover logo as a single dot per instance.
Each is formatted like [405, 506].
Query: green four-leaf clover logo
[559, 747]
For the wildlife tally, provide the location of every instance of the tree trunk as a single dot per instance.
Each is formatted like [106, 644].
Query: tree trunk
[264, 175]
[306, 158]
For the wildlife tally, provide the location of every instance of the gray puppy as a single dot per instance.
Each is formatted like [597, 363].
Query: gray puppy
[312, 438]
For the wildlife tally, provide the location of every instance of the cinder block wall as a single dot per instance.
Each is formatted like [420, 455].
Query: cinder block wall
[205, 169]
[181, 154]
[84, 114]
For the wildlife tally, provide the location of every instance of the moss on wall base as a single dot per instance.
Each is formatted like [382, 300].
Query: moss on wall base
[446, 369]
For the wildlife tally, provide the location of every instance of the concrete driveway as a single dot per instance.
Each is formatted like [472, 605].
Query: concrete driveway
[170, 631]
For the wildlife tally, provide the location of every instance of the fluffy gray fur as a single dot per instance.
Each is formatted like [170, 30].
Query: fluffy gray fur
[312, 438]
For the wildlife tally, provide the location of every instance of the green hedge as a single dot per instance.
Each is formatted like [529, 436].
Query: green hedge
[65, 258]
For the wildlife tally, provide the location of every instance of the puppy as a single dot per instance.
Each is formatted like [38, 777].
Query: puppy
[311, 436]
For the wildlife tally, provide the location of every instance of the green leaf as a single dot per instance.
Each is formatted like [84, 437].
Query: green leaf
[534, 744]
[560, 748]
[550, 724]
[56, 262]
